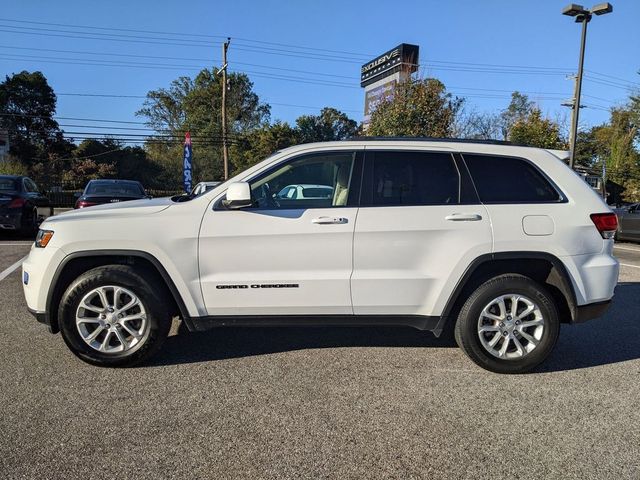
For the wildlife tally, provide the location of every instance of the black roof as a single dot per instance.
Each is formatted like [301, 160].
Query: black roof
[112, 180]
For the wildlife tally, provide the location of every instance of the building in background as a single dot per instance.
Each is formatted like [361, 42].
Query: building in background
[380, 76]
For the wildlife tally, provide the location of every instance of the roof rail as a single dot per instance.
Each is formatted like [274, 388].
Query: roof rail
[432, 139]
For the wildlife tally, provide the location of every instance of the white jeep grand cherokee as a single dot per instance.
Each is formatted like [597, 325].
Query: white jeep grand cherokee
[503, 243]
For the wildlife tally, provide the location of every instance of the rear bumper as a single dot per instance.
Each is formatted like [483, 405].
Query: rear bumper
[591, 311]
[10, 220]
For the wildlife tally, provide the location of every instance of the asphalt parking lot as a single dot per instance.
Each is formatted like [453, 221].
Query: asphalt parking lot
[320, 403]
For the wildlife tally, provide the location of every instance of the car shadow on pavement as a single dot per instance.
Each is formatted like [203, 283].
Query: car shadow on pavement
[611, 339]
[235, 342]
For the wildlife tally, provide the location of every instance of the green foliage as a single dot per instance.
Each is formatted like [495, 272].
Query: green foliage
[518, 110]
[422, 108]
[12, 167]
[85, 169]
[194, 105]
[261, 143]
[534, 131]
[330, 125]
[28, 104]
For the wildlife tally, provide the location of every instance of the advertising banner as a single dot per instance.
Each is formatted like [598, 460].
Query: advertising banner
[186, 164]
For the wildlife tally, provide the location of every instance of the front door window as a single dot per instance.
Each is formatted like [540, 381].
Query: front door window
[313, 181]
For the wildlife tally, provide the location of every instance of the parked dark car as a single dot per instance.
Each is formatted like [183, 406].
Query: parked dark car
[22, 206]
[98, 192]
[628, 222]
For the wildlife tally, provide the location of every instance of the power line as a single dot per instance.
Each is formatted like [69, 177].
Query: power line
[93, 54]
[190, 35]
[291, 50]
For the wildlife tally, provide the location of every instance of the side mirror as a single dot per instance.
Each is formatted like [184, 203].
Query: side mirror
[238, 196]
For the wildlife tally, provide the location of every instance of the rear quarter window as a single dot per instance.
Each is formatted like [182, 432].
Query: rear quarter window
[509, 180]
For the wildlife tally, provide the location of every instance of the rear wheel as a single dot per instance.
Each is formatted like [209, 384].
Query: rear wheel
[508, 325]
[111, 316]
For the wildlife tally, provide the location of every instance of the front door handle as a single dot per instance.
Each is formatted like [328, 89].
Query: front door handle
[329, 220]
[463, 217]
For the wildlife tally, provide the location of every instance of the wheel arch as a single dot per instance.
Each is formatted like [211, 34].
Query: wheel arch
[542, 267]
[75, 264]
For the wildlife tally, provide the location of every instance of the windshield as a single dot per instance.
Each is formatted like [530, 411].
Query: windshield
[114, 189]
[8, 185]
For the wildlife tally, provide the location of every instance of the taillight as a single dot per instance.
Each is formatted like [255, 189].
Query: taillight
[17, 203]
[606, 223]
[84, 204]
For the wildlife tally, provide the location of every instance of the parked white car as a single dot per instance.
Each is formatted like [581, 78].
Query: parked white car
[502, 243]
[203, 187]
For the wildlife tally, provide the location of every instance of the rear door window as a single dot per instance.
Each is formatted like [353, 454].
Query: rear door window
[509, 180]
[396, 178]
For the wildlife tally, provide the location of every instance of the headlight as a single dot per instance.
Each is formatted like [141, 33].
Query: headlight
[43, 238]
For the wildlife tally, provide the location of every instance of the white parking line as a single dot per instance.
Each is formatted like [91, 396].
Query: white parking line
[5, 273]
[627, 248]
[623, 264]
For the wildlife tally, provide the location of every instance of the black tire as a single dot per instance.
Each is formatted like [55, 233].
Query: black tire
[158, 316]
[29, 221]
[466, 328]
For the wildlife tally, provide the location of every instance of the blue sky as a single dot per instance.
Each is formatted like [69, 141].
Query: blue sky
[458, 40]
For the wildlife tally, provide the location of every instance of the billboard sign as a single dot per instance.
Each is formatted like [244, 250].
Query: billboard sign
[404, 57]
[373, 97]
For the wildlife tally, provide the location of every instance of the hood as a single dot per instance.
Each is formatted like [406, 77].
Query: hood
[120, 209]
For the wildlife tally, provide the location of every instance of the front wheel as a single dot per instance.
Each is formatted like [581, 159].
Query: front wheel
[509, 324]
[111, 316]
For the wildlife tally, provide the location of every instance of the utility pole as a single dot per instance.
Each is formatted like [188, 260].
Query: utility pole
[225, 146]
[572, 105]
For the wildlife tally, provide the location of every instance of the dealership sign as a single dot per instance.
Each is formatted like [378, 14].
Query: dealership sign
[402, 58]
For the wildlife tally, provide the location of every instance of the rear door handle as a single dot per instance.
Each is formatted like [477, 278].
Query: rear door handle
[329, 220]
[463, 217]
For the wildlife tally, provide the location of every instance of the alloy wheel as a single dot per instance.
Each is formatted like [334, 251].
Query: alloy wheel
[510, 326]
[112, 319]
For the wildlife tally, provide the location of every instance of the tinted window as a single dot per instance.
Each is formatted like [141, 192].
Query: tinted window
[509, 180]
[313, 181]
[30, 186]
[8, 185]
[413, 178]
[114, 189]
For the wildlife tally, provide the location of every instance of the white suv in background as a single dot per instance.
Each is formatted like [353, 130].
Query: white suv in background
[502, 243]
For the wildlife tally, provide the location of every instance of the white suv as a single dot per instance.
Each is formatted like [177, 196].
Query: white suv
[502, 243]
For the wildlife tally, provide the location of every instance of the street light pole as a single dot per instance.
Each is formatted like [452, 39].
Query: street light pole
[578, 91]
[582, 16]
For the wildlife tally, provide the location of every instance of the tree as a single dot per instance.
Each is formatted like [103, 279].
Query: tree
[422, 108]
[482, 126]
[616, 147]
[27, 104]
[194, 105]
[330, 125]
[519, 108]
[261, 143]
[535, 131]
